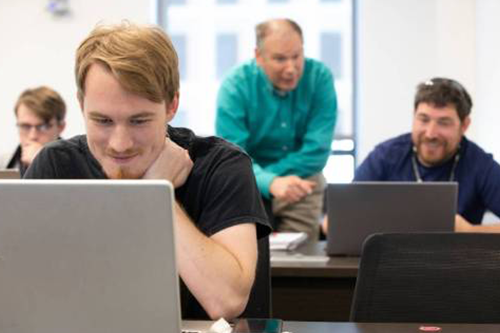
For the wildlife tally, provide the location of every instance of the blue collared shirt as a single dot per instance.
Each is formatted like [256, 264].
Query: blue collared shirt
[477, 174]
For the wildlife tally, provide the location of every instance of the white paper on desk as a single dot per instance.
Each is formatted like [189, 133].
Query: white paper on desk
[286, 240]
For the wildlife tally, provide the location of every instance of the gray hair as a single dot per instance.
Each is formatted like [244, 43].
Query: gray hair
[264, 29]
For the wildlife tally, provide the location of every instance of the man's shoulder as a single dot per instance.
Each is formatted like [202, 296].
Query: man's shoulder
[204, 148]
[316, 76]
[242, 72]
[64, 159]
[386, 160]
[315, 67]
[400, 143]
[315, 64]
[65, 152]
[213, 149]
[242, 82]
[393, 151]
[474, 152]
[76, 144]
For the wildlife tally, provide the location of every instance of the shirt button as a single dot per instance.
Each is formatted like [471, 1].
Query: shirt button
[283, 125]
[285, 148]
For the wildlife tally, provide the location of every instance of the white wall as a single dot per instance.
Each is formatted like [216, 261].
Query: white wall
[39, 49]
[488, 76]
[402, 43]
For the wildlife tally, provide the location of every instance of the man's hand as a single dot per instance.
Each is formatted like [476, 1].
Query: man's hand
[29, 151]
[173, 164]
[462, 225]
[291, 188]
[324, 225]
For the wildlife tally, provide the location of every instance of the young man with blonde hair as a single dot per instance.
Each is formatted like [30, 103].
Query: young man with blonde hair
[128, 88]
[40, 116]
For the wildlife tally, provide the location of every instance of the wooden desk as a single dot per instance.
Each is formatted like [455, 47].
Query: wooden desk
[312, 291]
[316, 327]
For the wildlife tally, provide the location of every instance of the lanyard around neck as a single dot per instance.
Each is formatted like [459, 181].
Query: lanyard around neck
[417, 173]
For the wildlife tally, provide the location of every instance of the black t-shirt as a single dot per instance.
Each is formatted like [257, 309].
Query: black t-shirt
[219, 193]
[15, 162]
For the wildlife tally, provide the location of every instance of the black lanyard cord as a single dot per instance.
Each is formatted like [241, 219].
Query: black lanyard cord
[417, 173]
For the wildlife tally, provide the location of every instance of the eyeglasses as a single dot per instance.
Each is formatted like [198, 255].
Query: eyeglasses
[26, 128]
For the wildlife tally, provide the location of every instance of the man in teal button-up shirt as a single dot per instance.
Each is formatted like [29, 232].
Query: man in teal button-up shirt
[281, 108]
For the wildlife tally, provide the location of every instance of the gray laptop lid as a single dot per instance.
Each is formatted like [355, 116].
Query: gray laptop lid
[87, 256]
[357, 210]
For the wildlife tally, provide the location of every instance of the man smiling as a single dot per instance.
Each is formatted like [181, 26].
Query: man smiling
[437, 150]
[128, 88]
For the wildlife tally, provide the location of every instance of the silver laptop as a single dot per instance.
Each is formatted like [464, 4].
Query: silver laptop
[9, 174]
[87, 256]
[359, 209]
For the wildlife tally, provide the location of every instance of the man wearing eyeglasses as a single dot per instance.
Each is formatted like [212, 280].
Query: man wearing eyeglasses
[40, 116]
[437, 150]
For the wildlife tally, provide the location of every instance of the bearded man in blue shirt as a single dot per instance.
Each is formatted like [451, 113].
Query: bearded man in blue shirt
[437, 150]
[281, 108]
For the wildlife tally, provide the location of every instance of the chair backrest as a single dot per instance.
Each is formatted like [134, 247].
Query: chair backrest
[432, 278]
[259, 303]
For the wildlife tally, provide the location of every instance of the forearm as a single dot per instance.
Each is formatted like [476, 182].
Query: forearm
[490, 228]
[220, 280]
[264, 179]
[462, 225]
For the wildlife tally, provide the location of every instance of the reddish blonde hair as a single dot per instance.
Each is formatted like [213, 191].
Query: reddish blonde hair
[142, 58]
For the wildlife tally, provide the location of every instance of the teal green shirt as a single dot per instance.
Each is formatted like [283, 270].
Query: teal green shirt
[284, 133]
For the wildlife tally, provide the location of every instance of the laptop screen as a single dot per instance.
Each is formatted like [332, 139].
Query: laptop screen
[87, 256]
[359, 209]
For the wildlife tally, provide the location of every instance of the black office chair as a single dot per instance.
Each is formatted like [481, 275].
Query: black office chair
[259, 303]
[429, 278]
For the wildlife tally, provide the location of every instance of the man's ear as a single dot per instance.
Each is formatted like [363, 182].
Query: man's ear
[61, 126]
[79, 97]
[258, 56]
[465, 124]
[172, 107]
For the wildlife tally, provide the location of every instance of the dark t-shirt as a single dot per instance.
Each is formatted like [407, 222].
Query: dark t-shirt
[15, 162]
[219, 193]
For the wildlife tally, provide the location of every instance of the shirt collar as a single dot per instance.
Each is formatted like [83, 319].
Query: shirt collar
[269, 85]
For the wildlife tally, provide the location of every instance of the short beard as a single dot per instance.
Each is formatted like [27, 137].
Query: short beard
[124, 174]
[434, 163]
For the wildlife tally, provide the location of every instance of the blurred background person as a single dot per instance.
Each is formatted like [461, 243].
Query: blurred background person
[40, 114]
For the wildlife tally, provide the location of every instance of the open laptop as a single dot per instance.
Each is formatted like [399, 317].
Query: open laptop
[359, 209]
[9, 174]
[87, 256]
